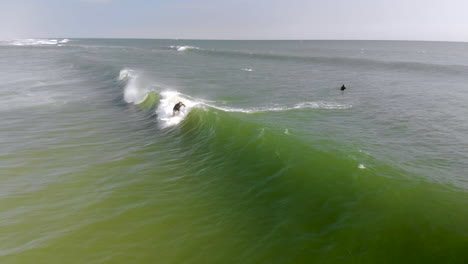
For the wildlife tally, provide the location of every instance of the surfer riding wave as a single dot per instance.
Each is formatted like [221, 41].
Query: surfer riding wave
[176, 108]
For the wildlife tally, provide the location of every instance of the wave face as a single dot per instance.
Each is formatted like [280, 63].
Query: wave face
[272, 165]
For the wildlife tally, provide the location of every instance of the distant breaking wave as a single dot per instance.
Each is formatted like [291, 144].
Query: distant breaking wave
[183, 48]
[36, 42]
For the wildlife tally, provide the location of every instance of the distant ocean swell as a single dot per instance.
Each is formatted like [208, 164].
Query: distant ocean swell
[332, 60]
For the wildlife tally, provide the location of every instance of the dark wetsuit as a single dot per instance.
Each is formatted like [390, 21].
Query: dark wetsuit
[343, 87]
[177, 107]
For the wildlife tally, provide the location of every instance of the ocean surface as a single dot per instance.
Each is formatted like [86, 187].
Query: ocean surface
[269, 162]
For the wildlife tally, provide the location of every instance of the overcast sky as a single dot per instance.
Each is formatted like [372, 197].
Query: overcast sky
[445, 20]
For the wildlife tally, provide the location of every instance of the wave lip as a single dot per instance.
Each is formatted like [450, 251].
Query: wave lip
[133, 92]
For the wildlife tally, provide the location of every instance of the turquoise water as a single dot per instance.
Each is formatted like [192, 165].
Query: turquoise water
[272, 165]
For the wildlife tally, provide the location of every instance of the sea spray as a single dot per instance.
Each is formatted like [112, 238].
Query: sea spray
[166, 105]
[133, 92]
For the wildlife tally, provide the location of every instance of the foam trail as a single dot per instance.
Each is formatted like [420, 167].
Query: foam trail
[133, 93]
[303, 105]
[168, 100]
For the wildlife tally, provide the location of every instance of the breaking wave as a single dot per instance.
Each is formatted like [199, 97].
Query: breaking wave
[136, 92]
[303, 105]
[133, 92]
[37, 42]
[183, 48]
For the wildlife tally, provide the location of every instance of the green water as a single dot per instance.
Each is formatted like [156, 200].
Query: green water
[269, 166]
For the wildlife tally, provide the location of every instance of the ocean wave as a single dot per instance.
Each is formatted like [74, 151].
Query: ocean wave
[35, 99]
[303, 105]
[36, 42]
[347, 61]
[133, 91]
[170, 98]
[137, 93]
[183, 48]
[166, 104]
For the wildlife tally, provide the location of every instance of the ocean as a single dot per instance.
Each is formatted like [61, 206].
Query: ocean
[268, 162]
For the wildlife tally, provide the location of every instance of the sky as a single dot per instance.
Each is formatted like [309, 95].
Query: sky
[438, 20]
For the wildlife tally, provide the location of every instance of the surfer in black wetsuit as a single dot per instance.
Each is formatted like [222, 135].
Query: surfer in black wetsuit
[343, 87]
[177, 107]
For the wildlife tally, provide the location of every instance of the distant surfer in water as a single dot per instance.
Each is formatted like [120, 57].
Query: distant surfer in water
[176, 108]
[343, 87]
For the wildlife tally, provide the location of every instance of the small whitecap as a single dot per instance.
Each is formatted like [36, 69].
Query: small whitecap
[183, 48]
[361, 166]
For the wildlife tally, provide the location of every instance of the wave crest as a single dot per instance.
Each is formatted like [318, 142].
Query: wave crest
[37, 42]
[303, 105]
[183, 48]
[133, 92]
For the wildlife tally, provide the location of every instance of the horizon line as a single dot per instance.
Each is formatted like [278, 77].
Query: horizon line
[215, 39]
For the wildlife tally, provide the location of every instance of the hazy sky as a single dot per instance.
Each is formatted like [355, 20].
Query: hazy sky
[236, 19]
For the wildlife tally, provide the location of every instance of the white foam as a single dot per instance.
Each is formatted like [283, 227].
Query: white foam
[133, 92]
[37, 42]
[126, 73]
[166, 104]
[183, 48]
[303, 105]
[136, 93]
[361, 166]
